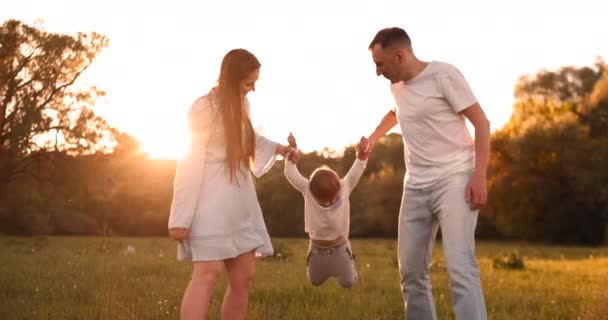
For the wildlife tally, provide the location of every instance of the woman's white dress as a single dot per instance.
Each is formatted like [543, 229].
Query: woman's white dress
[224, 218]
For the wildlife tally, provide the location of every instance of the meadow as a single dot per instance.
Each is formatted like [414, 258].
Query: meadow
[139, 278]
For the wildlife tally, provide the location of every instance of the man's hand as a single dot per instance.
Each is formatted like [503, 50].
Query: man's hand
[476, 193]
[178, 234]
[371, 143]
[363, 149]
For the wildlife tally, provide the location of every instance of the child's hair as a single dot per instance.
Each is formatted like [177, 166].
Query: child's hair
[324, 184]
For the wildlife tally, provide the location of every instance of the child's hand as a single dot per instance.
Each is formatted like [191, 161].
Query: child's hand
[178, 234]
[294, 155]
[292, 141]
[363, 149]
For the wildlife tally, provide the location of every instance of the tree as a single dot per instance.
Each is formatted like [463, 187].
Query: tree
[41, 108]
[46, 117]
[549, 167]
[568, 84]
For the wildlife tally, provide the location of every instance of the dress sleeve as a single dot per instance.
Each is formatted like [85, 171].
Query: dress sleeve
[189, 172]
[265, 155]
[265, 150]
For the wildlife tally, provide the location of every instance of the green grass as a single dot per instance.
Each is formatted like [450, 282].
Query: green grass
[95, 278]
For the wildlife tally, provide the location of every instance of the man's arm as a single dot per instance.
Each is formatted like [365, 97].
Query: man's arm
[387, 123]
[476, 193]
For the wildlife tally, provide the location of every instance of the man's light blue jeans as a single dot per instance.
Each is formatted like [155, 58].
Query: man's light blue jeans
[423, 211]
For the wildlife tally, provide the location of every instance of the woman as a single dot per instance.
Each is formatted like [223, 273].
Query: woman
[215, 214]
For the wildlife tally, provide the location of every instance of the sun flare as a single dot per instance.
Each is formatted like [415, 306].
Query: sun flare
[164, 147]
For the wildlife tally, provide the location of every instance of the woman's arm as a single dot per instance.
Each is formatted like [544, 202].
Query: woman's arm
[189, 172]
[266, 152]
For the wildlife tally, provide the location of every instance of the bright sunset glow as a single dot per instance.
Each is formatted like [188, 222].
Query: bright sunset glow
[317, 78]
[160, 146]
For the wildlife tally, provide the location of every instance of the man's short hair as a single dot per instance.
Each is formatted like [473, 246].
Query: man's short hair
[391, 36]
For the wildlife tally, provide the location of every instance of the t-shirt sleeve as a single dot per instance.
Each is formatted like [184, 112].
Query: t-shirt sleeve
[456, 90]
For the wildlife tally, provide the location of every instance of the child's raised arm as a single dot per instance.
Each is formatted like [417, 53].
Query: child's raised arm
[294, 177]
[291, 170]
[356, 171]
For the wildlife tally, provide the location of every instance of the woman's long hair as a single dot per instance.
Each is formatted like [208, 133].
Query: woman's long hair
[238, 131]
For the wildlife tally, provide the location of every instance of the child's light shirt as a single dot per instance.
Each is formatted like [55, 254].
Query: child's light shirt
[326, 223]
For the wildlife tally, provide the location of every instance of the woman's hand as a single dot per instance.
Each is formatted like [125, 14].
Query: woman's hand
[282, 150]
[178, 234]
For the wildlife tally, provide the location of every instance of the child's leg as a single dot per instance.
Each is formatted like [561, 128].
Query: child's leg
[316, 269]
[346, 273]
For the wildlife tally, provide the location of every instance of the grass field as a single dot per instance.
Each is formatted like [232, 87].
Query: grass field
[98, 278]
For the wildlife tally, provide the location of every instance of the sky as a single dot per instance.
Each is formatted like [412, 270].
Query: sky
[317, 78]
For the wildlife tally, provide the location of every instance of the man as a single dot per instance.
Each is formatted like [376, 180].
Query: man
[445, 181]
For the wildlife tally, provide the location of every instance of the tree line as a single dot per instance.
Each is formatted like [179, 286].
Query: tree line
[64, 170]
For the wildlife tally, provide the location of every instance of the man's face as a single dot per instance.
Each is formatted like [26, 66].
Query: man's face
[248, 84]
[387, 62]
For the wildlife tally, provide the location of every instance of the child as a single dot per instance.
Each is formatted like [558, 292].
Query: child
[327, 216]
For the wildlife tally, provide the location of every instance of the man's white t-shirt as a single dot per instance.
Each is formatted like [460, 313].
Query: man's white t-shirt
[436, 140]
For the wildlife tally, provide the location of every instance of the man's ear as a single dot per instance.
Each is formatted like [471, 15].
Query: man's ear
[400, 56]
